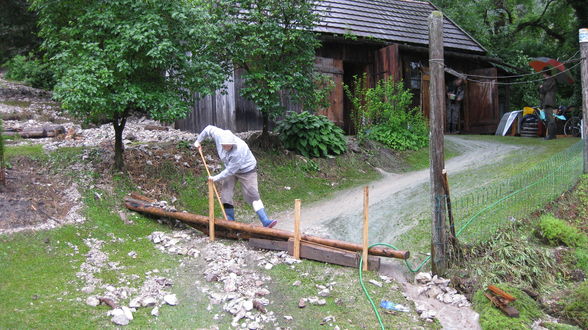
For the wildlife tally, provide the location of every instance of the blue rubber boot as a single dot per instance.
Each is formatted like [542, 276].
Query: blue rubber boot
[264, 219]
[229, 211]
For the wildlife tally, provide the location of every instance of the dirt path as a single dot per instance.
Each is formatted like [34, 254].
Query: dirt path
[396, 200]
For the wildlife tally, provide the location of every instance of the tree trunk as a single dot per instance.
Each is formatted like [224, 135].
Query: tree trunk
[119, 126]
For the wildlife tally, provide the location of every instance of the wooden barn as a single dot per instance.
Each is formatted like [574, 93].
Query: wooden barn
[381, 38]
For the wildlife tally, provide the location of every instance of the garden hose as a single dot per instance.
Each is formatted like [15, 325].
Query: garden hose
[365, 289]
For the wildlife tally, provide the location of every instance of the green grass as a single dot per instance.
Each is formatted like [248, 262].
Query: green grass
[34, 151]
[492, 318]
[346, 302]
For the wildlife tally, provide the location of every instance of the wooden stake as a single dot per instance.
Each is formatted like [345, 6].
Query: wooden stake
[213, 186]
[296, 252]
[366, 206]
[436, 123]
[583, 33]
[211, 209]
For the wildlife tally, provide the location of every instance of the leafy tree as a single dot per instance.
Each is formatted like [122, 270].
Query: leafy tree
[518, 30]
[272, 40]
[115, 57]
[17, 29]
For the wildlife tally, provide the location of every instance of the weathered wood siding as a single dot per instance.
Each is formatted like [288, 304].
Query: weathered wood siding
[247, 116]
[217, 109]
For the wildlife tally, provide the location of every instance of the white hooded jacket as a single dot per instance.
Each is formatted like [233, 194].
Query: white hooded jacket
[237, 160]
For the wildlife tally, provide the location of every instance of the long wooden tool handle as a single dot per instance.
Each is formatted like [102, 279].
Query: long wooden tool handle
[213, 185]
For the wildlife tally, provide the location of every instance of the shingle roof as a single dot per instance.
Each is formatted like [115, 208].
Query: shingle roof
[391, 21]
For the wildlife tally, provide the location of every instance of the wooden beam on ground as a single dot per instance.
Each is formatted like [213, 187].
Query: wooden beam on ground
[317, 252]
[246, 231]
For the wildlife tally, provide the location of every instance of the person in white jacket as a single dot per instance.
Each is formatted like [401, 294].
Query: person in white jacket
[240, 165]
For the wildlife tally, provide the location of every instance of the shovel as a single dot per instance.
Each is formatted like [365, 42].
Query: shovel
[213, 185]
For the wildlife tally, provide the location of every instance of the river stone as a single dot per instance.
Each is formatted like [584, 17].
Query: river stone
[92, 301]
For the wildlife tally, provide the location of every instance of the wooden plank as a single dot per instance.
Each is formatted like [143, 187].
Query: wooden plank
[316, 252]
[501, 293]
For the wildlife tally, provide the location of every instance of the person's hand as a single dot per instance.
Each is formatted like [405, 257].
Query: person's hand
[211, 178]
[197, 145]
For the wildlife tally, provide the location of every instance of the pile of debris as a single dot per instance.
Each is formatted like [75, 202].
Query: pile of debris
[152, 294]
[235, 285]
[438, 288]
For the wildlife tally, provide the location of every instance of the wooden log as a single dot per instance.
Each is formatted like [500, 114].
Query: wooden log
[501, 293]
[33, 133]
[317, 252]
[156, 128]
[53, 131]
[248, 231]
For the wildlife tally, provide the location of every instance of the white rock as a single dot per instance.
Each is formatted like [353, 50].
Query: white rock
[148, 301]
[423, 278]
[248, 305]
[128, 313]
[92, 301]
[170, 299]
[268, 266]
[288, 317]
[135, 303]
[155, 311]
[376, 283]
[324, 293]
[120, 320]
[296, 283]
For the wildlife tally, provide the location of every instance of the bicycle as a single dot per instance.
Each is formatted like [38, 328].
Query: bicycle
[573, 126]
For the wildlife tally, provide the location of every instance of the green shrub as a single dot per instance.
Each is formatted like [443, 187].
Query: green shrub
[493, 318]
[31, 71]
[311, 135]
[582, 259]
[557, 231]
[384, 114]
[576, 306]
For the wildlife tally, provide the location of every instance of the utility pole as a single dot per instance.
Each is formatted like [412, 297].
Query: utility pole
[583, 34]
[437, 102]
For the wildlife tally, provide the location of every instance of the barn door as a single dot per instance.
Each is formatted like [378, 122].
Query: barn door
[481, 111]
[387, 63]
[334, 69]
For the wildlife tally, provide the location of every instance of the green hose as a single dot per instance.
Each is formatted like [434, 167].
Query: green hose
[365, 289]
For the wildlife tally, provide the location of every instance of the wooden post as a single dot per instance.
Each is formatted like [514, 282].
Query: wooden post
[296, 252]
[437, 104]
[366, 206]
[211, 209]
[583, 34]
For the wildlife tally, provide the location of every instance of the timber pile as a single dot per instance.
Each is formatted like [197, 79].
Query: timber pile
[312, 247]
[35, 132]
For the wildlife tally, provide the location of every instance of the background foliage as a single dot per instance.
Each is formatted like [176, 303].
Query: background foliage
[518, 30]
[384, 114]
[31, 71]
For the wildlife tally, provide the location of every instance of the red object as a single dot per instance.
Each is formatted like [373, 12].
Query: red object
[554, 67]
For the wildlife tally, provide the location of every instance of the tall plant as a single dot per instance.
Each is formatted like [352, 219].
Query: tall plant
[385, 114]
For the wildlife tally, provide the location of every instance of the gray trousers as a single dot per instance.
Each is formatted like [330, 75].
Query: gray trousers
[248, 184]
[453, 116]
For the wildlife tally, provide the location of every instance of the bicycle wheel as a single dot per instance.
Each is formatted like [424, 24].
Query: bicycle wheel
[572, 127]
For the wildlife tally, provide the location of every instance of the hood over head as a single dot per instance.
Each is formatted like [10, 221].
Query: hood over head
[227, 137]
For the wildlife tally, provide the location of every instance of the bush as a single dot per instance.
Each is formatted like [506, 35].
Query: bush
[311, 135]
[493, 318]
[31, 71]
[384, 114]
[576, 307]
[557, 231]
